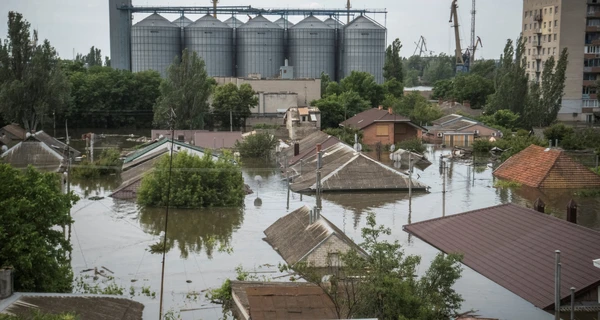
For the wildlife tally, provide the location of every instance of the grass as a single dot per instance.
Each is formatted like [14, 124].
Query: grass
[506, 184]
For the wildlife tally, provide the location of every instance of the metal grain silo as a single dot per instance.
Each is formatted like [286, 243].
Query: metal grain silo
[155, 42]
[233, 22]
[338, 29]
[284, 23]
[260, 48]
[213, 41]
[363, 47]
[182, 22]
[333, 23]
[312, 48]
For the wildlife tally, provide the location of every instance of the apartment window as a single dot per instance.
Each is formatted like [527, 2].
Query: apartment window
[544, 24]
[529, 39]
[543, 51]
[525, 27]
[593, 22]
[382, 130]
[556, 23]
[531, 26]
[592, 49]
[555, 37]
[527, 65]
[590, 103]
[591, 63]
[550, 10]
[545, 11]
[535, 25]
[528, 52]
[555, 9]
[589, 90]
[554, 51]
[589, 76]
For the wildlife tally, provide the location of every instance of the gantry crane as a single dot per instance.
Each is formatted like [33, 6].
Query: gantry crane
[461, 64]
[477, 44]
[421, 46]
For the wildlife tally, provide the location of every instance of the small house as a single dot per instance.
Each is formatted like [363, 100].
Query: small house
[41, 151]
[384, 126]
[302, 121]
[540, 167]
[11, 134]
[305, 146]
[307, 237]
[345, 169]
[460, 131]
[201, 138]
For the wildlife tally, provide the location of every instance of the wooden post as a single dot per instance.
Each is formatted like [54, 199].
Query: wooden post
[572, 212]
[539, 205]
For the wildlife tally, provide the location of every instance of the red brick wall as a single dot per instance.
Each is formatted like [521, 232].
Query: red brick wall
[405, 132]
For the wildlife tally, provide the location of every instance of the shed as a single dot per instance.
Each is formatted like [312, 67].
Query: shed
[540, 167]
[345, 169]
[302, 237]
[515, 247]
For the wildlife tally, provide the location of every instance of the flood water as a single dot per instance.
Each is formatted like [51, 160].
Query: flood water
[117, 234]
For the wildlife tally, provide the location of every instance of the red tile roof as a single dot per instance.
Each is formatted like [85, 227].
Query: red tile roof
[514, 247]
[366, 118]
[540, 167]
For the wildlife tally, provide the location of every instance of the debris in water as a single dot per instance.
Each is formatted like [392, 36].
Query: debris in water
[105, 268]
[188, 281]
[95, 198]
[133, 280]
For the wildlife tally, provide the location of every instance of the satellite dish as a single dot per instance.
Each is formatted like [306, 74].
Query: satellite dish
[357, 147]
[392, 148]
[27, 135]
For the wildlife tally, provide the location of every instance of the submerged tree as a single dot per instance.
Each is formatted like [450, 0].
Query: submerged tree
[233, 103]
[32, 206]
[186, 89]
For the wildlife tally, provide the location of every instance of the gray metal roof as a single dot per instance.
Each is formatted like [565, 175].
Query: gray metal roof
[260, 22]
[208, 21]
[362, 22]
[182, 21]
[155, 20]
[282, 22]
[311, 22]
[233, 22]
[333, 23]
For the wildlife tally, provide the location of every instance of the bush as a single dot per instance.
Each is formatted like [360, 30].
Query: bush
[482, 145]
[260, 145]
[265, 126]
[345, 134]
[195, 182]
[557, 131]
[506, 184]
[109, 162]
[415, 145]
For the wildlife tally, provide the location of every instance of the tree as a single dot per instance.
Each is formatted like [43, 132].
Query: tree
[416, 107]
[501, 118]
[438, 68]
[473, 88]
[325, 80]
[260, 145]
[33, 206]
[558, 131]
[231, 102]
[393, 87]
[364, 84]
[392, 68]
[484, 68]
[106, 61]
[32, 84]
[186, 89]
[332, 110]
[93, 58]
[352, 103]
[511, 80]
[195, 182]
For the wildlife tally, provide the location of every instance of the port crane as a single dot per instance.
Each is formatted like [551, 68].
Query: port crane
[421, 46]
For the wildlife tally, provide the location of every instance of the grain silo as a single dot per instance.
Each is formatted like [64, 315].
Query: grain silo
[312, 48]
[260, 48]
[335, 24]
[339, 32]
[182, 22]
[155, 42]
[233, 22]
[363, 48]
[284, 23]
[213, 41]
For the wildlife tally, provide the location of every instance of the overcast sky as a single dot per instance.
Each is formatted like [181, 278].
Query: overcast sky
[76, 25]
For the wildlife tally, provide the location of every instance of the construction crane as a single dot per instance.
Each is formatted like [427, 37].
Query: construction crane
[473, 43]
[348, 6]
[477, 44]
[462, 61]
[421, 46]
[214, 2]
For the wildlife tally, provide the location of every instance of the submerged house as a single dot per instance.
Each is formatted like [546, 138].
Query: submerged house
[457, 130]
[345, 169]
[515, 247]
[11, 134]
[302, 121]
[41, 151]
[304, 236]
[384, 126]
[540, 167]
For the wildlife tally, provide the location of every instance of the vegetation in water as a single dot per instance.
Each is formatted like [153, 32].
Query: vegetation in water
[504, 184]
[34, 209]
[415, 145]
[265, 126]
[195, 182]
[107, 285]
[588, 193]
[259, 145]
[510, 143]
[38, 315]
[109, 162]
[345, 134]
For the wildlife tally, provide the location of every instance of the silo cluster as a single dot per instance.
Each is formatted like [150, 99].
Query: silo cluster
[260, 47]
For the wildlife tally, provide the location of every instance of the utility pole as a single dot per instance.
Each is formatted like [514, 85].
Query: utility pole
[318, 183]
[557, 285]
[230, 121]
[287, 181]
[443, 188]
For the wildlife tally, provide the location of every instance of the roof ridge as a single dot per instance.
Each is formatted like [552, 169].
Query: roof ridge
[463, 213]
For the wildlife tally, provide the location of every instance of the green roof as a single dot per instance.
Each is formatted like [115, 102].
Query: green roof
[157, 144]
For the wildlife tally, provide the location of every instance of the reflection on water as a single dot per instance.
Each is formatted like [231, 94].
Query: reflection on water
[205, 229]
[95, 187]
[259, 167]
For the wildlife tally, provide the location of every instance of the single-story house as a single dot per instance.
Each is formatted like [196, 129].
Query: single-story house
[41, 151]
[280, 300]
[541, 167]
[381, 125]
[308, 237]
[304, 147]
[302, 121]
[515, 247]
[457, 130]
[202, 138]
[11, 134]
[345, 169]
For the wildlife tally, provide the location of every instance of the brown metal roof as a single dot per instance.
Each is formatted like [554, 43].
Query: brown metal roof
[293, 236]
[217, 139]
[309, 151]
[366, 118]
[15, 131]
[85, 307]
[514, 247]
[55, 144]
[541, 167]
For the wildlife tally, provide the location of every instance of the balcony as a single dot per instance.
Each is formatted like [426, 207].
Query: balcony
[537, 17]
[537, 56]
[591, 55]
[592, 2]
[592, 29]
[591, 69]
[589, 83]
[539, 31]
[537, 43]
[595, 14]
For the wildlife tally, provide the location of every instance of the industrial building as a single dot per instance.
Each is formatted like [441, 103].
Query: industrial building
[258, 48]
[549, 27]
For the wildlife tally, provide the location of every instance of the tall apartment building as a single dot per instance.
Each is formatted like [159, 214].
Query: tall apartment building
[551, 25]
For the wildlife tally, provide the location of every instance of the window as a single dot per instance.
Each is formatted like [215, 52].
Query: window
[593, 22]
[592, 49]
[382, 130]
[529, 39]
[525, 27]
[303, 118]
[528, 64]
[556, 23]
[555, 37]
[550, 9]
[180, 138]
[545, 10]
[543, 51]
[530, 26]
[440, 134]
[334, 258]
[528, 52]
[554, 51]
[535, 25]
[589, 76]
[555, 9]
[544, 24]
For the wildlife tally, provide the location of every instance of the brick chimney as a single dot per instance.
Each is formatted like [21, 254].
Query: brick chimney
[380, 107]
[390, 110]
[6, 282]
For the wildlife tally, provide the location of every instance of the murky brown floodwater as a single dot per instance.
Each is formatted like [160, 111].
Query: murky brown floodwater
[117, 234]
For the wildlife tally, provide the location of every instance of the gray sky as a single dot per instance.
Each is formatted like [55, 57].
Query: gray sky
[80, 24]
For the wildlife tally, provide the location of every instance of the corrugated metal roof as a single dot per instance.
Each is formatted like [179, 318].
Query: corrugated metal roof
[182, 21]
[233, 22]
[368, 117]
[448, 118]
[547, 168]
[282, 22]
[309, 142]
[155, 20]
[514, 247]
[260, 22]
[362, 22]
[36, 153]
[310, 151]
[294, 237]
[333, 23]
[55, 144]
[311, 22]
[15, 130]
[209, 21]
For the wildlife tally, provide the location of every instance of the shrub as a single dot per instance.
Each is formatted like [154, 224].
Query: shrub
[195, 182]
[482, 145]
[415, 145]
[506, 184]
[109, 162]
[557, 131]
[265, 126]
[260, 145]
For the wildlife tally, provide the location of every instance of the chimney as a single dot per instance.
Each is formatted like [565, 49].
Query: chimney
[318, 147]
[539, 205]
[286, 62]
[572, 212]
[380, 107]
[296, 149]
[6, 282]
[390, 110]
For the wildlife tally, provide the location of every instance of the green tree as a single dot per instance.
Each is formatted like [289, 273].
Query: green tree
[352, 103]
[364, 84]
[425, 112]
[443, 89]
[332, 110]
[411, 78]
[393, 87]
[260, 145]
[558, 131]
[544, 110]
[33, 206]
[195, 182]
[438, 68]
[333, 88]
[93, 58]
[325, 80]
[186, 89]
[484, 68]
[511, 80]
[473, 88]
[501, 118]
[32, 84]
[392, 68]
[228, 98]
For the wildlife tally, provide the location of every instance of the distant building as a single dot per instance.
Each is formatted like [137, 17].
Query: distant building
[201, 138]
[384, 126]
[307, 147]
[302, 121]
[457, 130]
[540, 167]
[425, 92]
[303, 236]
